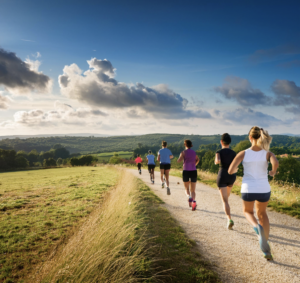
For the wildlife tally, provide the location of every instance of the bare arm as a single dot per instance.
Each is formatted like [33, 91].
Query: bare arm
[217, 159]
[197, 160]
[171, 156]
[274, 162]
[233, 168]
[158, 157]
[181, 157]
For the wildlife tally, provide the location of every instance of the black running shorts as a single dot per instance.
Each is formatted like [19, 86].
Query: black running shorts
[165, 166]
[150, 167]
[224, 179]
[264, 197]
[189, 175]
[139, 165]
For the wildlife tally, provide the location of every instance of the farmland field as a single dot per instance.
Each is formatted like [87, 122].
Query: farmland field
[105, 156]
[39, 209]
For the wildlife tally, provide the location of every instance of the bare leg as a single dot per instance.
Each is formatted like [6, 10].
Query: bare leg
[193, 190]
[224, 196]
[152, 174]
[249, 213]
[187, 189]
[162, 172]
[261, 211]
[167, 177]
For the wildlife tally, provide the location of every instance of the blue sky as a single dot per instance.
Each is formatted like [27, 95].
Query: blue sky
[193, 47]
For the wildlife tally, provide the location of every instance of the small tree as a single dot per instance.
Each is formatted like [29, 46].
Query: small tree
[21, 162]
[59, 161]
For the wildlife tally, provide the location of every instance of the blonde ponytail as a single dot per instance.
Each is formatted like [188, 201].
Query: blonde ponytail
[265, 140]
[261, 136]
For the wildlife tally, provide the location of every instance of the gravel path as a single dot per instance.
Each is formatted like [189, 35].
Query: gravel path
[236, 253]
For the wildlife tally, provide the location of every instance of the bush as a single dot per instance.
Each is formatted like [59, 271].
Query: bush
[50, 162]
[115, 160]
[289, 170]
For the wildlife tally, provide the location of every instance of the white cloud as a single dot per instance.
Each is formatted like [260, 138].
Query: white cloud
[97, 86]
[62, 114]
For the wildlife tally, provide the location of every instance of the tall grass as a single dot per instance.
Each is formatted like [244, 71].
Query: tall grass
[106, 249]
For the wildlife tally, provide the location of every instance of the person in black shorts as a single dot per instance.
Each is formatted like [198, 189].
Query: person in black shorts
[224, 157]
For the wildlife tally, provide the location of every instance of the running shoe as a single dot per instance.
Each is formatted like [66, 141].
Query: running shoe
[152, 181]
[190, 200]
[168, 191]
[162, 185]
[256, 230]
[268, 256]
[230, 224]
[194, 206]
[263, 242]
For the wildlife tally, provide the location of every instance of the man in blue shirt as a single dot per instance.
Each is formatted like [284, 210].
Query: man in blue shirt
[164, 157]
[151, 165]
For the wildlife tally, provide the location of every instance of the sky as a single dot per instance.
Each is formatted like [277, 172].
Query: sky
[138, 67]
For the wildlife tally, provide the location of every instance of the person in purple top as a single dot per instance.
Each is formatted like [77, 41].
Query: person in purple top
[189, 174]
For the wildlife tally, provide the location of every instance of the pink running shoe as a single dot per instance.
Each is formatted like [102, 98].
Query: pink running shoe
[190, 201]
[194, 205]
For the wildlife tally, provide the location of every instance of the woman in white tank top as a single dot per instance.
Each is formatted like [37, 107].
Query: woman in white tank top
[255, 186]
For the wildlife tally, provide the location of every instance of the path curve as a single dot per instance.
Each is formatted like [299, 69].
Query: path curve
[235, 254]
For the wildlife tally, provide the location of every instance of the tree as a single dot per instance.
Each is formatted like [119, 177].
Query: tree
[242, 145]
[61, 153]
[57, 146]
[21, 162]
[59, 161]
[208, 162]
[289, 170]
[115, 160]
[50, 162]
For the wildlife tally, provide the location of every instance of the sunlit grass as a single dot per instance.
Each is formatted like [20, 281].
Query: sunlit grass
[131, 238]
[39, 209]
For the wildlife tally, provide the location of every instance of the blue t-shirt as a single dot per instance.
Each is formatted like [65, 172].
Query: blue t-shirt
[165, 156]
[151, 159]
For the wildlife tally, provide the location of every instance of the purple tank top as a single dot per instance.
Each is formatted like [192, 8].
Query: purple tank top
[189, 160]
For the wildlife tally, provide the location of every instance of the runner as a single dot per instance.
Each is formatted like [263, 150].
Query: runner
[225, 181]
[138, 161]
[151, 165]
[255, 186]
[164, 157]
[189, 173]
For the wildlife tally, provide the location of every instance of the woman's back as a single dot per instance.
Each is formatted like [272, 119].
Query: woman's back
[255, 179]
[189, 160]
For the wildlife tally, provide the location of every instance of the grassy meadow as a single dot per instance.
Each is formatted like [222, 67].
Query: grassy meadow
[39, 209]
[91, 224]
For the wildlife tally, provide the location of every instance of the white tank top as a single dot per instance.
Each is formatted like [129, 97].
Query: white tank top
[255, 179]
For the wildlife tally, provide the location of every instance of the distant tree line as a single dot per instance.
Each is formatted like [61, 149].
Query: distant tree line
[58, 155]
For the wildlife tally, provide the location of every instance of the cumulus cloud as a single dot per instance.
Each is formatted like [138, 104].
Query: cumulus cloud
[287, 94]
[4, 101]
[97, 86]
[240, 90]
[273, 53]
[62, 114]
[18, 76]
[247, 116]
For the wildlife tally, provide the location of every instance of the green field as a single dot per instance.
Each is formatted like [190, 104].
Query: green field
[40, 208]
[105, 156]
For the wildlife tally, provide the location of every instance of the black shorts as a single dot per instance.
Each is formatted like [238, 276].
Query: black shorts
[150, 167]
[139, 165]
[187, 175]
[264, 197]
[224, 179]
[165, 166]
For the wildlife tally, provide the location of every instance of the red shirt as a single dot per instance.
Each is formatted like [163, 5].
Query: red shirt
[138, 160]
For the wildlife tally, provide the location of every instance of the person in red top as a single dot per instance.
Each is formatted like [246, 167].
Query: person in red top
[138, 161]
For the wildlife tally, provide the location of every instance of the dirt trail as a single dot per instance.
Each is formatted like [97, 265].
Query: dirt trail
[235, 253]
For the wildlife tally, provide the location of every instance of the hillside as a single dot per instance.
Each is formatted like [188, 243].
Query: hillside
[124, 143]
